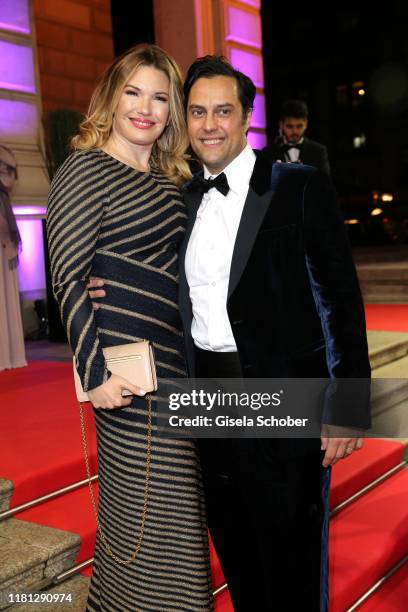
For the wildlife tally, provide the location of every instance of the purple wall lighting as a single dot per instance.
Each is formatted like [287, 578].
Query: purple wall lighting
[243, 38]
[29, 211]
[255, 3]
[18, 120]
[243, 27]
[14, 16]
[16, 67]
[257, 140]
[31, 269]
[19, 124]
[249, 63]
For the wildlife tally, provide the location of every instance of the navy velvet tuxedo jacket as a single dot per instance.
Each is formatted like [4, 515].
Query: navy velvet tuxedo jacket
[294, 301]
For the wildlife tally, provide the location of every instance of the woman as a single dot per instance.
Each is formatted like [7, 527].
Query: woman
[115, 212]
[12, 351]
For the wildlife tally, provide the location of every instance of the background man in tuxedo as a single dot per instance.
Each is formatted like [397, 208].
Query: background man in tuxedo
[292, 145]
[267, 289]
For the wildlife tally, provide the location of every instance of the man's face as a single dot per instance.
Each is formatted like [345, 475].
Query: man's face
[216, 125]
[293, 129]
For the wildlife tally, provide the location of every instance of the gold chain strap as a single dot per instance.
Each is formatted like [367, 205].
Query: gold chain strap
[146, 490]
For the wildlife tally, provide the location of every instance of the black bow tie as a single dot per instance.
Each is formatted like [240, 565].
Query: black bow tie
[203, 185]
[288, 146]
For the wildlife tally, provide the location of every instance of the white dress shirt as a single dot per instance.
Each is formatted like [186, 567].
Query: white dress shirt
[209, 255]
[294, 153]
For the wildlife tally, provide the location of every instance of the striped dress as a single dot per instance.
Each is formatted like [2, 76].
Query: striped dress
[111, 221]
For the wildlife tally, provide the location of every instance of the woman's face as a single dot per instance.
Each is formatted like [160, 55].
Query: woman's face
[8, 169]
[143, 109]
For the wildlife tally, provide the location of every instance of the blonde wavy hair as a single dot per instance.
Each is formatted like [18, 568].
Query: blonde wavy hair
[169, 151]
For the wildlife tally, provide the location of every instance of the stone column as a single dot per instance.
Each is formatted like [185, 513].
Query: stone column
[191, 28]
[51, 55]
[20, 129]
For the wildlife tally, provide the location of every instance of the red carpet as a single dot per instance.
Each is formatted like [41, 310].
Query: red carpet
[40, 440]
[387, 317]
[367, 539]
[391, 596]
[41, 451]
[216, 570]
[374, 459]
[223, 602]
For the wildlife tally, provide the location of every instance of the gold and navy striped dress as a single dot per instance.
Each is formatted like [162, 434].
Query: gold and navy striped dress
[108, 220]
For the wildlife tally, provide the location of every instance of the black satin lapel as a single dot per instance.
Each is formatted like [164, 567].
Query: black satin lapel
[193, 201]
[252, 216]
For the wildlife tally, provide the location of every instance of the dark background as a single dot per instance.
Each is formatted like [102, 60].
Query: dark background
[325, 58]
[132, 26]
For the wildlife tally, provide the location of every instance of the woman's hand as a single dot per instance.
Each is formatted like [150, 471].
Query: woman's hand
[109, 395]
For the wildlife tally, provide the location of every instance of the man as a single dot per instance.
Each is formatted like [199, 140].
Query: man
[267, 289]
[292, 145]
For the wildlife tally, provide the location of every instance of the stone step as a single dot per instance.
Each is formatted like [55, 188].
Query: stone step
[384, 293]
[6, 491]
[380, 254]
[392, 422]
[32, 555]
[395, 369]
[386, 347]
[77, 588]
[389, 399]
[386, 393]
[384, 282]
[381, 271]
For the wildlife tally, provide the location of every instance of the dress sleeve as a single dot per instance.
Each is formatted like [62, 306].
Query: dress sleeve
[76, 206]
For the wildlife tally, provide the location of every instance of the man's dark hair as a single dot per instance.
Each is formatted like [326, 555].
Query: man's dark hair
[294, 108]
[215, 65]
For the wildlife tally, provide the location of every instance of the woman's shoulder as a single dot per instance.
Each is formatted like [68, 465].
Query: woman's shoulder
[81, 172]
[82, 166]
[80, 161]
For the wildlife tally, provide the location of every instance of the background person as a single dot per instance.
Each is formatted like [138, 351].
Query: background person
[12, 350]
[291, 144]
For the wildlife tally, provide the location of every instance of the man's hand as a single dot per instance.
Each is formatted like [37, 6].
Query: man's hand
[94, 292]
[109, 395]
[337, 448]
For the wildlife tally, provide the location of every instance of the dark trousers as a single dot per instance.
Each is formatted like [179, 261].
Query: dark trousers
[265, 512]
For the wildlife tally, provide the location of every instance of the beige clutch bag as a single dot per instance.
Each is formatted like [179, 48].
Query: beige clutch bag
[134, 361]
